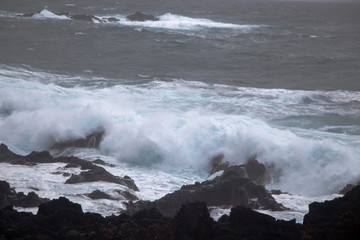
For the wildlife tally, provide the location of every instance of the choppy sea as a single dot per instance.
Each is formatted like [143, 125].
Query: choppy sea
[278, 80]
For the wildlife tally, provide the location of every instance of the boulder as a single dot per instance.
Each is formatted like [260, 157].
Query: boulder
[335, 219]
[141, 17]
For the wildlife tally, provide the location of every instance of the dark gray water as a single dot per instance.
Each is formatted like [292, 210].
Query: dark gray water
[295, 45]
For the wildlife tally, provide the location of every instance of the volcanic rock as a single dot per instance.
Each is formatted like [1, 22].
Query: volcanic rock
[93, 140]
[193, 221]
[9, 197]
[232, 188]
[244, 223]
[335, 219]
[141, 17]
[94, 173]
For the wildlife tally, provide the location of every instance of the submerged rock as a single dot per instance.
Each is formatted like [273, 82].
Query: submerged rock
[141, 17]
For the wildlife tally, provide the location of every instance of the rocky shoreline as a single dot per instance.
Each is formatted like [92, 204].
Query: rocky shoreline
[62, 219]
[182, 214]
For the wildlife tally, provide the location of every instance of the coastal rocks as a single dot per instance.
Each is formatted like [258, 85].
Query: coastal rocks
[9, 197]
[119, 195]
[97, 194]
[141, 17]
[254, 170]
[62, 219]
[93, 172]
[232, 188]
[348, 188]
[96, 173]
[335, 219]
[93, 140]
[193, 221]
[244, 223]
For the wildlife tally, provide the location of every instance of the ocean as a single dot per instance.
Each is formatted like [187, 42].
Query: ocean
[278, 80]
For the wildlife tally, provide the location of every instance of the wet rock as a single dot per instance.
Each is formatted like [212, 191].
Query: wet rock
[9, 197]
[127, 195]
[255, 171]
[94, 173]
[193, 221]
[244, 223]
[93, 140]
[217, 164]
[101, 162]
[97, 194]
[348, 188]
[112, 19]
[335, 219]
[84, 17]
[141, 17]
[232, 188]
[59, 205]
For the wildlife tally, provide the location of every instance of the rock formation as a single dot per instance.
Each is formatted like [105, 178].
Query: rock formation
[141, 17]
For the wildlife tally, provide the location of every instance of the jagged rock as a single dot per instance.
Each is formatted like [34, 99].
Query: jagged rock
[94, 173]
[146, 217]
[335, 219]
[217, 164]
[101, 162]
[93, 140]
[244, 223]
[232, 188]
[254, 170]
[348, 188]
[97, 194]
[141, 17]
[193, 221]
[127, 195]
[62, 219]
[257, 172]
[9, 197]
[97, 173]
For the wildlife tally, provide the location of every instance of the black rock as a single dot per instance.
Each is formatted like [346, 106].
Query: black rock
[232, 188]
[193, 221]
[141, 17]
[97, 194]
[348, 188]
[9, 197]
[93, 140]
[335, 219]
[244, 223]
[94, 173]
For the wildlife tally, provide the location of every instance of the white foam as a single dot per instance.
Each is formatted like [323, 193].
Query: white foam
[46, 14]
[180, 125]
[178, 22]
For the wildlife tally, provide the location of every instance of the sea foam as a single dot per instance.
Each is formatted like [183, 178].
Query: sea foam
[180, 126]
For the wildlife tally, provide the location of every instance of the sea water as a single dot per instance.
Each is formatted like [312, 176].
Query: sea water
[205, 79]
